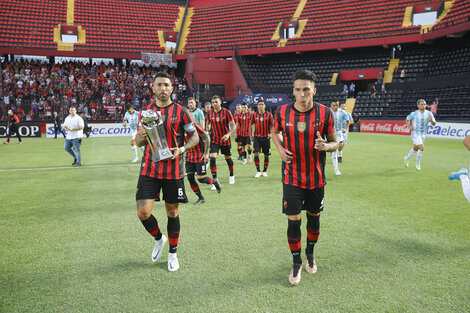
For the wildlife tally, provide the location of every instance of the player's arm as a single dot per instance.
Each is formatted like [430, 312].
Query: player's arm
[466, 142]
[285, 154]
[193, 140]
[252, 131]
[346, 126]
[432, 119]
[408, 123]
[233, 129]
[141, 137]
[207, 144]
[330, 145]
[203, 120]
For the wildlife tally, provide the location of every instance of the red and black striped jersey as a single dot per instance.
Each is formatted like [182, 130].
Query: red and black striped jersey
[235, 119]
[177, 121]
[307, 168]
[195, 154]
[262, 124]
[12, 119]
[220, 123]
[244, 122]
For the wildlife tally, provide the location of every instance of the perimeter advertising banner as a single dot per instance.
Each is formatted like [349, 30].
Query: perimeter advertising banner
[441, 130]
[28, 130]
[97, 130]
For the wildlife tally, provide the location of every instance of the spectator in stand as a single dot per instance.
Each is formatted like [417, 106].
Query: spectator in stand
[380, 78]
[402, 75]
[352, 90]
[345, 89]
[433, 106]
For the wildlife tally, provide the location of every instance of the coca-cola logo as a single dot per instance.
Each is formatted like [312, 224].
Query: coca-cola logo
[401, 129]
[384, 128]
[369, 127]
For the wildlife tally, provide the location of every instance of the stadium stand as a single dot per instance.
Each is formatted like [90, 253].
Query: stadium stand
[110, 24]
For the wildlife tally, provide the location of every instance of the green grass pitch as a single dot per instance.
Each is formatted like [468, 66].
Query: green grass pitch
[392, 239]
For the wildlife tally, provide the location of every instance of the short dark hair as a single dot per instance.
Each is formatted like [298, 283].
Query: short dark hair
[191, 98]
[216, 97]
[260, 101]
[244, 103]
[163, 74]
[306, 75]
[130, 107]
[334, 100]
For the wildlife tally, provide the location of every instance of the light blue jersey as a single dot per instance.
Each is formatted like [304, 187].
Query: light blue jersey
[341, 117]
[132, 119]
[420, 122]
[198, 115]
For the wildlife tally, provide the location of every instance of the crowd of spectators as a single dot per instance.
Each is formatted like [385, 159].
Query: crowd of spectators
[34, 90]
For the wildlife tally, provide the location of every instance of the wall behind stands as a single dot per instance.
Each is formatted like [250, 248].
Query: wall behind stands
[219, 72]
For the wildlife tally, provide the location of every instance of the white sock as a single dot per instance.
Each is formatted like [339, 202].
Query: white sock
[335, 160]
[412, 152]
[465, 186]
[134, 148]
[340, 153]
[419, 155]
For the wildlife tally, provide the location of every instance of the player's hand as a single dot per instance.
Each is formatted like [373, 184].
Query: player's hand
[319, 142]
[176, 152]
[205, 158]
[225, 137]
[343, 130]
[286, 155]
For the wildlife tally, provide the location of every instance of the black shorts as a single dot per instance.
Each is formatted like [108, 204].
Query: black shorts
[238, 139]
[262, 144]
[296, 199]
[199, 168]
[149, 188]
[244, 141]
[225, 150]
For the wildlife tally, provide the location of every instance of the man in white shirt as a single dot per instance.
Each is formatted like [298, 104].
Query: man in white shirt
[74, 125]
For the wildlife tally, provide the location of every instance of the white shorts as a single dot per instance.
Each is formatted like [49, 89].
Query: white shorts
[340, 136]
[345, 137]
[133, 133]
[418, 139]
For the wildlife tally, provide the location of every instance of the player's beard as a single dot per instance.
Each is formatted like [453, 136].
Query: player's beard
[163, 97]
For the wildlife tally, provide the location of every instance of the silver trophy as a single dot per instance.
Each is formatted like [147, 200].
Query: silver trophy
[156, 135]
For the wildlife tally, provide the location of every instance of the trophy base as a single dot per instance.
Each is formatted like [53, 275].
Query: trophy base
[162, 154]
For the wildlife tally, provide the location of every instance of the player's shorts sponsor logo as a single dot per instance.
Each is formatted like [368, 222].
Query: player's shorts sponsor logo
[284, 204]
[301, 126]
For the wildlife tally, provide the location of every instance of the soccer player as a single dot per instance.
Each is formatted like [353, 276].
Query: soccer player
[57, 126]
[220, 122]
[243, 132]
[74, 126]
[13, 124]
[342, 106]
[165, 174]
[342, 124]
[238, 110]
[197, 114]
[131, 118]
[260, 129]
[462, 175]
[417, 122]
[299, 134]
[196, 161]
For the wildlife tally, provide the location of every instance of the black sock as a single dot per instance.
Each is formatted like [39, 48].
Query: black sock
[266, 163]
[249, 151]
[257, 162]
[213, 167]
[293, 237]
[206, 180]
[313, 232]
[194, 185]
[151, 225]
[230, 165]
[173, 228]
